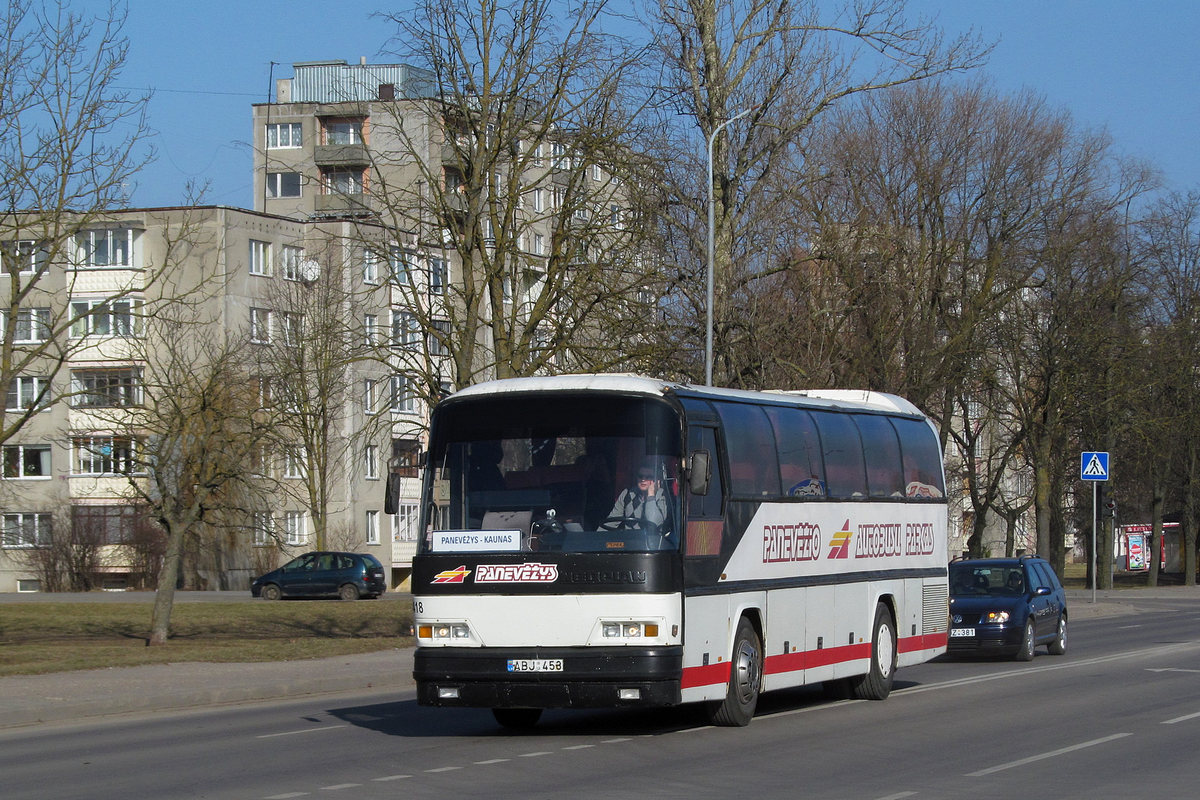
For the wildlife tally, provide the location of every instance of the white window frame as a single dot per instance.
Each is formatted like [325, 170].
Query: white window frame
[402, 263]
[260, 325]
[20, 451]
[372, 536]
[295, 527]
[116, 387]
[402, 399]
[291, 327]
[259, 258]
[25, 390]
[277, 189]
[439, 274]
[405, 523]
[114, 246]
[349, 130]
[262, 527]
[344, 181]
[290, 257]
[33, 325]
[370, 396]
[293, 463]
[406, 330]
[285, 135]
[106, 317]
[371, 462]
[31, 255]
[89, 456]
[371, 329]
[26, 530]
[370, 266]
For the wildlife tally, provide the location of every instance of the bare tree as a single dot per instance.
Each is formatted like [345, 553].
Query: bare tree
[515, 170]
[775, 67]
[71, 141]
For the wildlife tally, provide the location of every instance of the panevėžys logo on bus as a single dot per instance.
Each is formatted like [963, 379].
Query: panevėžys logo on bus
[531, 572]
[456, 575]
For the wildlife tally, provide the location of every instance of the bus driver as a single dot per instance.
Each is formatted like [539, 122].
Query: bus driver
[644, 502]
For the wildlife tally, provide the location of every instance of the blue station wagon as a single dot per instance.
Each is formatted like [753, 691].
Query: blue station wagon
[347, 576]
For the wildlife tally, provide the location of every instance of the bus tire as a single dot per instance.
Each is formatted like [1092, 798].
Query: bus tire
[517, 719]
[877, 683]
[745, 680]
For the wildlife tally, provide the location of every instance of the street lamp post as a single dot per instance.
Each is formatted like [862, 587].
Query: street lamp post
[708, 328]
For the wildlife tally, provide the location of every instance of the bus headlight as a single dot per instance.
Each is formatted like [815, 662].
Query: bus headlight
[629, 630]
[444, 631]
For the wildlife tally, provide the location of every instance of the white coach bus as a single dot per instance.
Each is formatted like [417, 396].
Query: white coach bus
[611, 540]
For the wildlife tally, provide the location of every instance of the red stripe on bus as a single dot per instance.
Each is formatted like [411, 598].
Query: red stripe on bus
[714, 674]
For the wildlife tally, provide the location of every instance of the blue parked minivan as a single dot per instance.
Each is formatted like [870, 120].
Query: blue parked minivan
[321, 573]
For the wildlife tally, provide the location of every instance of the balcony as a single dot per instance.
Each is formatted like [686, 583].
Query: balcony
[341, 155]
[344, 205]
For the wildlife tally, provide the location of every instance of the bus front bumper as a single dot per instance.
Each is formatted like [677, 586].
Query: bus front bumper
[548, 677]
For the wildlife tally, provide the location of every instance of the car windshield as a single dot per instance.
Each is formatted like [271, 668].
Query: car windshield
[595, 473]
[1005, 580]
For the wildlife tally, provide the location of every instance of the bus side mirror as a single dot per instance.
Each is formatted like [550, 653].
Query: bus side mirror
[391, 497]
[699, 472]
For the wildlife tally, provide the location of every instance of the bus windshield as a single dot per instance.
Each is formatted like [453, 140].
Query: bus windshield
[560, 473]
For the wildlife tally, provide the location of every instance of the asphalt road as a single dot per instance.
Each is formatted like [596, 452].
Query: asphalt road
[1117, 717]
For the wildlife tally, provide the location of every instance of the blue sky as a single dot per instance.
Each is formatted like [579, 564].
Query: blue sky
[1130, 66]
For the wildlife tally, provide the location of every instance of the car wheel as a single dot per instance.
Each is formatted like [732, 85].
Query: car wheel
[1059, 645]
[877, 683]
[517, 719]
[271, 592]
[348, 591]
[745, 680]
[1025, 652]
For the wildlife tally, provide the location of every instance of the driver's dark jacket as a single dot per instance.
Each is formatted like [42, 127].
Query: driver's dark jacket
[635, 505]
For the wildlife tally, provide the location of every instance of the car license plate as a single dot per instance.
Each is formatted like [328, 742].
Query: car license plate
[535, 665]
[957, 632]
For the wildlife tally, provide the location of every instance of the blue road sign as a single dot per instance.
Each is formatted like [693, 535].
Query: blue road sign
[1093, 466]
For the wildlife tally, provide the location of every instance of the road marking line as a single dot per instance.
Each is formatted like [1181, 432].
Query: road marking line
[1052, 754]
[617, 741]
[898, 796]
[391, 778]
[1171, 669]
[535, 755]
[337, 787]
[579, 747]
[287, 796]
[293, 733]
[443, 769]
[493, 761]
[1184, 718]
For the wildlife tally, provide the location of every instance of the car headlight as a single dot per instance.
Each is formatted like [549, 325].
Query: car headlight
[996, 616]
[629, 630]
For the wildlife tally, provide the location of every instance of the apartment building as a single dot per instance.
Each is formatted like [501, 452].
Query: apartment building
[242, 274]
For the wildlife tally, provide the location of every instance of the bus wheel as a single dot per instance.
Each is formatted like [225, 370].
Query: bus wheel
[877, 684]
[737, 709]
[517, 719]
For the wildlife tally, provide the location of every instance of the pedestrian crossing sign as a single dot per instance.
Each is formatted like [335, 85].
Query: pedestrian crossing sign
[1093, 466]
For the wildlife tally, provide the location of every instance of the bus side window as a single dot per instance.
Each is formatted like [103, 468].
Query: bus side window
[704, 525]
[750, 442]
[922, 459]
[799, 447]
[845, 472]
[882, 451]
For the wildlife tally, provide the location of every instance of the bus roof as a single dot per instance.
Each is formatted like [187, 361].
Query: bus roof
[640, 384]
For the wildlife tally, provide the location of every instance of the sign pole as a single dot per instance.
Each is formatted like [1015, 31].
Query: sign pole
[1094, 466]
[1095, 522]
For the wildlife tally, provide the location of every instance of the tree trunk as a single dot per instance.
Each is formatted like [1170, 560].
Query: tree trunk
[164, 597]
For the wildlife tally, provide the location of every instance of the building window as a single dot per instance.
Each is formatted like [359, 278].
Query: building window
[344, 131]
[291, 258]
[370, 266]
[294, 528]
[25, 393]
[26, 530]
[343, 181]
[31, 256]
[290, 327]
[105, 248]
[539, 244]
[439, 274]
[403, 396]
[283, 184]
[27, 461]
[102, 455]
[260, 257]
[371, 329]
[262, 527]
[105, 318]
[539, 200]
[406, 330]
[260, 326]
[439, 338]
[402, 263]
[32, 325]
[371, 462]
[370, 396]
[372, 527]
[284, 135]
[110, 524]
[106, 388]
[404, 523]
[293, 463]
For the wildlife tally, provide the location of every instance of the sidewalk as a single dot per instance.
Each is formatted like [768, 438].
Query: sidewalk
[64, 696]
